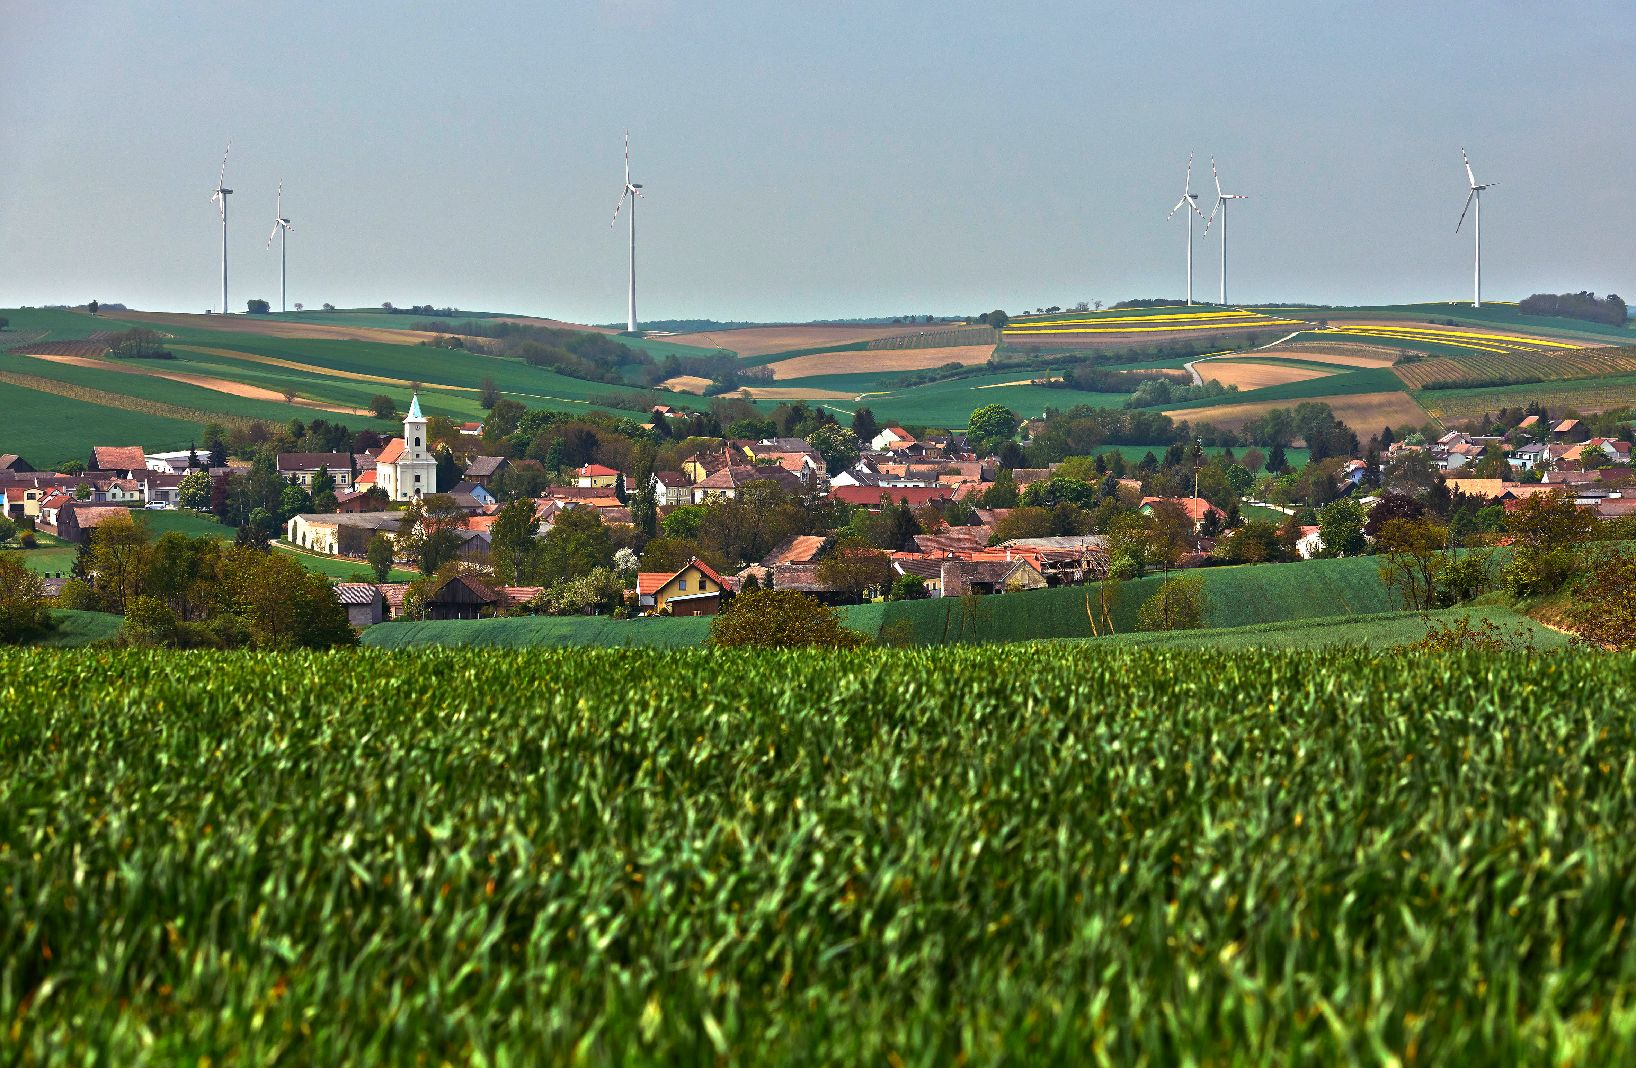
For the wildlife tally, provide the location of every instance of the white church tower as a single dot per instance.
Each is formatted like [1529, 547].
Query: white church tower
[406, 469]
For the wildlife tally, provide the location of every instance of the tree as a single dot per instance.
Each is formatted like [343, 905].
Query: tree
[576, 544]
[323, 481]
[257, 307]
[1412, 550]
[1546, 530]
[854, 571]
[328, 306]
[781, 619]
[292, 501]
[1604, 609]
[150, 624]
[1002, 492]
[23, 612]
[8, 529]
[990, 426]
[383, 407]
[908, 588]
[1392, 506]
[117, 561]
[864, 426]
[1340, 527]
[300, 306]
[379, 552]
[282, 605]
[512, 541]
[1276, 462]
[1179, 604]
[92, 307]
[490, 394]
[837, 445]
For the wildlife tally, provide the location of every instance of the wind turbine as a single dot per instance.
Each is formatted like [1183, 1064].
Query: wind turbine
[1190, 200]
[1221, 206]
[1476, 195]
[220, 198]
[631, 190]
[281, 230]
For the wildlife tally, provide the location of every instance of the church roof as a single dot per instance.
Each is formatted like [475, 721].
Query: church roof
[392, 453]
[414, 408]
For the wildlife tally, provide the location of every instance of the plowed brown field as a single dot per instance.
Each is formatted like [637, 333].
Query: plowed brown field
[765, 340]
[1253, 375]
[1365, 413]
[853, 361]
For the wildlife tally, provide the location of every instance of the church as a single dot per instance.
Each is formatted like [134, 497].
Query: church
[406, 469]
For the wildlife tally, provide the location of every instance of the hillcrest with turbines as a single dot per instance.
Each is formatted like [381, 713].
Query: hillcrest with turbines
[632, 190]
[1474, 197]
[219, 198]
[1189, 200]
[281, 230]
[1221, 206]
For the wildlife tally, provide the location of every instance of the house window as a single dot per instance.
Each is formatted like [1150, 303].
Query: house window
[417, 478]
[682, 585]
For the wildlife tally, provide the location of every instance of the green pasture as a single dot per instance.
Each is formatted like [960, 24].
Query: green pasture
[72, 629]
[1376, 632]
[52, 556]
[47, 429]
[52, 324]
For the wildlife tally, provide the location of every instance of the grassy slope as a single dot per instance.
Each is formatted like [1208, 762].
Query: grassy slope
[1374, 632]
[75, 629]
[1239, 596]
[55, 324]
[48, 429]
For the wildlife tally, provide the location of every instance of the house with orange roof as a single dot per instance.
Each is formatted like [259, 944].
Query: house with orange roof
[695, 590]
[597, 476]
[1195, 508]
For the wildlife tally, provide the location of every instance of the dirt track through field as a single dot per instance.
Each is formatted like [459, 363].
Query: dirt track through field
[248, 324]
[852, 361]
[312, 368]
[1254, 375]
[765, 340]
[218, 385]
[793, 393]
[1365, 413]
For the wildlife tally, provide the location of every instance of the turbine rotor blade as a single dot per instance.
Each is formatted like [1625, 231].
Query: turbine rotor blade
[1470, 177]
[618, 206]
[1184, 200]
[222, 177]
[1187, 185]
[1217, 177]
[1469, 198]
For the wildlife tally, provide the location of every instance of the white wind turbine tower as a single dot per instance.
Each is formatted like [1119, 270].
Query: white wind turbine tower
[1221, 206]
[1476, 195]
[220, 198]
[631, 190]
[281, 230]
[1190, 200]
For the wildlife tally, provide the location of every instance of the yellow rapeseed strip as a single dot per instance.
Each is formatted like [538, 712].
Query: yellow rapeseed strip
[1156, 329]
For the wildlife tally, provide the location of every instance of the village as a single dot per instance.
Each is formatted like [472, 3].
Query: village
[843, 514]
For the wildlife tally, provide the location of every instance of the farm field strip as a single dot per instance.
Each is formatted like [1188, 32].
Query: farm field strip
[242, 390]
[1181, 856]
[1586, 396]
[883, 361]
[51, 426]
[770, 340]
[1365, 413]
[1544, 366]
[1474, 339]
[1257, 374]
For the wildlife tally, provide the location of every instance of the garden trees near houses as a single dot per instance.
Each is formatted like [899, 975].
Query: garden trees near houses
[1547, 531]
[1179, 604]
[1392, 506]
[292, 501]
[990, 426]
[1002, 492]
[746, 527]
[1604, 606]
[23, 612]
[1340, 528]
[379, 552]
[576, 544]
[670, 555]
[1258, 541]
[283, 605]
[1412, 559]
[781, 619]
[1276, 463]
[8, 529]
[838, 446]
[383, 406]
[513, 541]
[258, 529]
[684, 521]
[640, 493]
[1413, 475]
[855, 570]
[908, 588]
[864, 426]
[194, 491]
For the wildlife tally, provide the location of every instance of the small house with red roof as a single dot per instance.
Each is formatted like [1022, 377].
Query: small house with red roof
[597, 476]
[695, 590]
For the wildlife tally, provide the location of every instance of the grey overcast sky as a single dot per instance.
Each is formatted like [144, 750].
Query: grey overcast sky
[823, 159]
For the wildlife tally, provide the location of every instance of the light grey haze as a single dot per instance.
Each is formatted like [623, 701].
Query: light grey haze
[808, 160]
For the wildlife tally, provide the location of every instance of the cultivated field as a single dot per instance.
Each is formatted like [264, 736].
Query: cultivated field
[766, 340]
[1342, 354]
[1366, 413]
[1046, 854]
[883, 361]
[686, 384]
[1587, 396]
[1519, 366]
[273, 326]
[156, 369]
[1255, 374]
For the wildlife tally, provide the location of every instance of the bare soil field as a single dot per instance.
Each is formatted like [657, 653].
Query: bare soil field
[686, 384]
[1365, 413]
[791, 393]
[88, 347]
[218, 385]
[1246, 374]
[853, 361]
[251, 324]
[765, 340]
[1339, 353]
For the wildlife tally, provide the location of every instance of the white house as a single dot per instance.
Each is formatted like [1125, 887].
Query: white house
[406, 469]
[889, 438]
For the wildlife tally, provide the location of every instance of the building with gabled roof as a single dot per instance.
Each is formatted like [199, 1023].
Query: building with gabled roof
[694, 590]
[406, 468]
[121, 460]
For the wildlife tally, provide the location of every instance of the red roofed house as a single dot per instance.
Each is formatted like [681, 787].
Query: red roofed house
[1194, 508]
[122, 460]
[871, 496]
[892, 437]
[596, 476]
[695, 590]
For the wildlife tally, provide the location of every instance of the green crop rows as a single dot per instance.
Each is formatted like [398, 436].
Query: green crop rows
[1069, 854]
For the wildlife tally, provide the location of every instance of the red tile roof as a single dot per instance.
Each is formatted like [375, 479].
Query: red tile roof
[596, 471]
[649, 582]
[390, 454]
[118, 458]
[871, 495]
